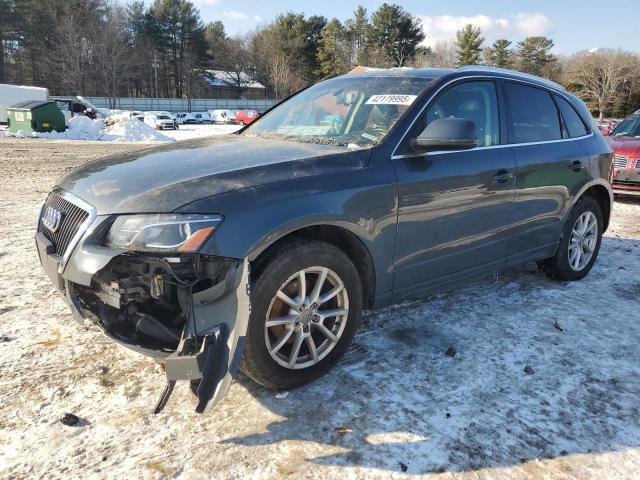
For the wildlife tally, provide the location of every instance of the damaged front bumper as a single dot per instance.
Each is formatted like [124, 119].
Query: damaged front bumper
[188, 311]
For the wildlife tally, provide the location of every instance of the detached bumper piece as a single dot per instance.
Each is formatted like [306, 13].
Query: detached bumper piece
[208, 365]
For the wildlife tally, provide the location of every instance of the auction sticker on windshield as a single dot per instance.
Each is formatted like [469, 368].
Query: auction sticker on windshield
[391, 99]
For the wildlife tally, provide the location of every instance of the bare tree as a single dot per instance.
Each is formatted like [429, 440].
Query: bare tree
[602, 76]
[72, 56]
[442, 55]
[236, 60]
[113, 56]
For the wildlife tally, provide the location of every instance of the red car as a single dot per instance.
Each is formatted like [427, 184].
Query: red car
[606, 126]
[625, 143]
[244, 117]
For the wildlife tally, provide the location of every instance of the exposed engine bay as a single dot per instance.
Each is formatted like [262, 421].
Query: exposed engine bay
[189, 311]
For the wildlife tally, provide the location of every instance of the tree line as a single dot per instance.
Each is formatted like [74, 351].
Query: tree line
[164, 49]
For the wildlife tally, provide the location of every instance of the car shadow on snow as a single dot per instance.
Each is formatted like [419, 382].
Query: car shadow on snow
[541, 369]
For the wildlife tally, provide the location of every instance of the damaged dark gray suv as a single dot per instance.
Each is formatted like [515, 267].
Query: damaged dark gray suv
[259, 250]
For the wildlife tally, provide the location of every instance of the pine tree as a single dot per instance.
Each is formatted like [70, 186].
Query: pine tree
[357, 30]
[332, 54]
[468, 45]
[501, 54]
[179, 35]
[7, 34]
[394, 35]
[215, 36]
[534, 55]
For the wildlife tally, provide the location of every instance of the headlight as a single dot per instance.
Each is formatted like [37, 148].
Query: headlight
[162, 232]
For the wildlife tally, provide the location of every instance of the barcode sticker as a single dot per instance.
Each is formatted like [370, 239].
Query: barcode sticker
[391, 99]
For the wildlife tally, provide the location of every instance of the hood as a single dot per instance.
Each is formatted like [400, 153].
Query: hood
[162, 179]
[625, 146]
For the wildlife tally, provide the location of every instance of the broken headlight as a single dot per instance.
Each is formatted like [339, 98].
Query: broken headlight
[162, 232]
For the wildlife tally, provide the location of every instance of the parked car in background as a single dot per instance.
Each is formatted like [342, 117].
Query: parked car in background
[606, 126]
[184, 118]
[172, 116]
[245, 117]
[202, 117]
[625, 142]
[259, 251]
[160, 121]
[137, 114]
[223, 117]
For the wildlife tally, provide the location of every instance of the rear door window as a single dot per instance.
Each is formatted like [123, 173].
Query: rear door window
[534, 116]
[572, 121]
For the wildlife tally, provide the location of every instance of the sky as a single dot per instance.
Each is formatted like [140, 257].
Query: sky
[574, 25]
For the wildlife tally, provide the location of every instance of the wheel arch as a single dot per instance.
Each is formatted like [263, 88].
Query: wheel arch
[335, 235]
[601, 193]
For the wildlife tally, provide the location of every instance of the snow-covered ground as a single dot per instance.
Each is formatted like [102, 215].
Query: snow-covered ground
[121, 129]
[395, 406]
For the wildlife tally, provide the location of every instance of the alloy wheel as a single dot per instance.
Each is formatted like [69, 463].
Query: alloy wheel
[306, 317]
[582, 244]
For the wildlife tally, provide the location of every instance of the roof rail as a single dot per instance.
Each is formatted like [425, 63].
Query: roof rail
[485, 68]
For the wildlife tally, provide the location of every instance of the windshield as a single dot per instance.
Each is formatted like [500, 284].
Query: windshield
[629, 127]
[163, 117]
[345, 111]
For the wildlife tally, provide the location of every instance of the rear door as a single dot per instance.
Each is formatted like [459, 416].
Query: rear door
[454, 207]
[551, 167]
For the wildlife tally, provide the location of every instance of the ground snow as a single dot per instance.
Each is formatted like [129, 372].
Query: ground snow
[121, 129]
[395, 404]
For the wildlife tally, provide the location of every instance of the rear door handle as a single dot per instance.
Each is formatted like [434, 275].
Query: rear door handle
[503, 176]
[576, 166]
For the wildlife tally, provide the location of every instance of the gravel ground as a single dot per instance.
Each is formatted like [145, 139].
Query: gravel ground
[543, 383]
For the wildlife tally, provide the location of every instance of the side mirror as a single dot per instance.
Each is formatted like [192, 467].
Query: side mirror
[447, 134]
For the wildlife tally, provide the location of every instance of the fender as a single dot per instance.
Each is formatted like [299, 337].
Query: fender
[592, 183]
[361, 201]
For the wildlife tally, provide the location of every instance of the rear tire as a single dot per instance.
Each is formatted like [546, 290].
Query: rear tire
[580, 242]
[321, 339]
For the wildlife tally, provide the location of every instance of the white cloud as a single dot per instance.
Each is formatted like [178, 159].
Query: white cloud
[234, 15]
[257, 18]
[529, 24]
[515, 27]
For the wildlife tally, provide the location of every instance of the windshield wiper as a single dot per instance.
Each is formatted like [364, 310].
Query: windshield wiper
[318, 140]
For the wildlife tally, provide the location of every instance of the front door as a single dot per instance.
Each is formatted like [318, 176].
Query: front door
[454, 207]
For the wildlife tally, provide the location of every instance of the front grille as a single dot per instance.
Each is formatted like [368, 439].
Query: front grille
[72, 218]
[626, 183]
[620, 162]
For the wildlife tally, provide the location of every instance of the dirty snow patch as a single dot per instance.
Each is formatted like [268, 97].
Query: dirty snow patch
[114, 129]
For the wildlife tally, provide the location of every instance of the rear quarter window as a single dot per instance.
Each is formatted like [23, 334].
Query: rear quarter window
[534, 116]
[573, 122]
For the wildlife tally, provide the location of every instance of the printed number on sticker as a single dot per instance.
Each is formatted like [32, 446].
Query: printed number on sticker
[391, 99]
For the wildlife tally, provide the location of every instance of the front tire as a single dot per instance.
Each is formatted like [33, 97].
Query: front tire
[306, 309]
[580, 242]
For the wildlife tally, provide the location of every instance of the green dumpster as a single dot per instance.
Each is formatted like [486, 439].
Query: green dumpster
[35, 116]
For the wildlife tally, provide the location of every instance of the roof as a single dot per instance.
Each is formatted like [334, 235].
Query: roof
[223, 79]
[512, 73]
[31, 104]
[401, 72]
[441, 72]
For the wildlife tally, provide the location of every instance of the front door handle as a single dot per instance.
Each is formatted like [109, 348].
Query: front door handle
[576, 166]
[503, 176]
